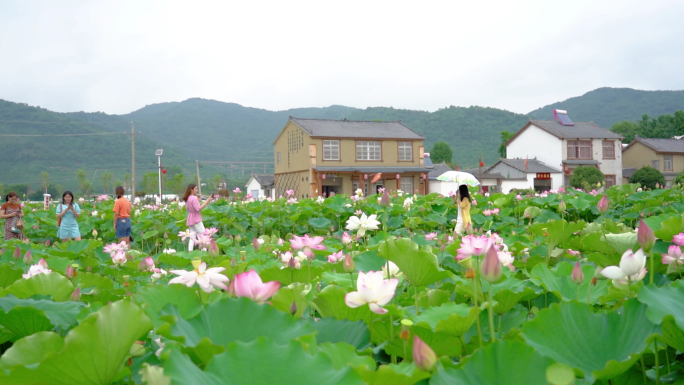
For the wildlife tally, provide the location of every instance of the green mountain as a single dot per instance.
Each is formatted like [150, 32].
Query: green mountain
[606, 106]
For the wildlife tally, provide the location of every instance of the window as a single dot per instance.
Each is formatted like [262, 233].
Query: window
[255, 193]
[368, 151]
[407, 185]
[278, 158]
[331, 150]
[667, 162]
[656, 164]
[608, 149]
[356, 186]
[610, 181]
[406, 151]
[579, 149]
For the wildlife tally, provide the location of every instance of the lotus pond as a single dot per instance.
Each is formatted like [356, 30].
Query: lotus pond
[557, 288]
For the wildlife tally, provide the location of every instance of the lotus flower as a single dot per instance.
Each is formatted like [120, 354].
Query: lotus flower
[213, 248]
[205, 278]
[430, 236]
[76, 295]
[251, 286]
[490, 267]
[70, 272]
[336, 257]
[94, 213]
[423, 355]
[185, 235]
[385, 200]
[349, 265]
[674, 254]
[518, 197]
[17, 253]
[346, 239]
[632, 268]
[394, 271]
[40, 268]
[561, 205]
[237, 190]
[506, 259]
[169, 251]
[603, 204]
[577, 274]
[362, 224]
[472, 245]
[28, 257]
[294, 262]
[573, 252]
[158, 273]
[678, 239]
[307, 244]
[645, 235]
[257, 243]
[373, 290]
[94, 233]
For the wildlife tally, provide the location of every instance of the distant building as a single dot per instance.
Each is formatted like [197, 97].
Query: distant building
[260, 186]
[317, 157]
[665, 155]
[562, 144]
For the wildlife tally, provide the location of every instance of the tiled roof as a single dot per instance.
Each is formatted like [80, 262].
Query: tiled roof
[264, 179]
[669, 146]
[485, 173]
[438, 169]
[581, 130]
[533, 165]
[355, 129]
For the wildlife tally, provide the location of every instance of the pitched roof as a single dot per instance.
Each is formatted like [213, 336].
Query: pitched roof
[581, 130]
[324, 128]
[486, 174]
[668, 146]
[264, 179]
[437, 170]
[533, 165]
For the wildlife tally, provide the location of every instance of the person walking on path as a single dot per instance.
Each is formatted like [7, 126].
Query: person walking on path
[193, 207]
[11, 212]
[122, 216]
[463, 203]
[67, 213]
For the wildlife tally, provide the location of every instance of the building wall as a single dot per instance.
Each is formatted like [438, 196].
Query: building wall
[640, 155]
[254, 185]
[535, 142]
[508, 185]
[390, 154]
[293, 146]
[608, 166]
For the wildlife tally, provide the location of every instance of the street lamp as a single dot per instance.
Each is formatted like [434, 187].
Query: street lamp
[158, 153]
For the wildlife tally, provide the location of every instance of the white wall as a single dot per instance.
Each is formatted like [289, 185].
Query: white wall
[508, 185]
[609, 166]
[556, 181]
[535, 142]
[252, 184]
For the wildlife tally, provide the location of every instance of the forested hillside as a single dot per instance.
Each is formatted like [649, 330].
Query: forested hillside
[606, 106]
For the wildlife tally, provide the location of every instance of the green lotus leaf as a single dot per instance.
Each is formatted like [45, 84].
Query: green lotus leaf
[433, 297]
[621, 242]
[369, 261]
[330, 303]
[286, 276]
[24, 321]
[507, 299]
[670, 227]
[432, 316]
[418, 265]
[564, 288]
[58, 286]
[672, 335]
[333, 330]
[663, 301]
[9, 275]
[184, 298]
[93, 352]
[86, 279]
[503, 362]
[393, 374]
[32, 349]
[319, 223]
[62, 314]
[232, 319]
[295, 292]
[261, 361]
[343, 355]
[567, 332]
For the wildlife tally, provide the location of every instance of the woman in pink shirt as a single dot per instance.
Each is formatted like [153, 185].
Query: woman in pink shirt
[193, 207]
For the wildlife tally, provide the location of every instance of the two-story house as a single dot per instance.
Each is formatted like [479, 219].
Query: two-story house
[567, 145]
[316, 157]
[665, 155]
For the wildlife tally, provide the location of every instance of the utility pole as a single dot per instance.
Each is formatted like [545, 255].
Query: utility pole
[133, 162]
[199, 180]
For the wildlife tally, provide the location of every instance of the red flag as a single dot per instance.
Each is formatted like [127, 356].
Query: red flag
[525, 163]
[376, 177]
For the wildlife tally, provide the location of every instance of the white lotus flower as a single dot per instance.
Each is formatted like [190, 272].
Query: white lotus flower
[407, 203]
[394, 271]
[506, 259]
[169, 251]
[373, 290]
[94, 213]
[632, 268]
[205, 278]
[362, 224]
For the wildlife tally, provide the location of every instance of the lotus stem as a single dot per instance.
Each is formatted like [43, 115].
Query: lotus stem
[351, 276]
[578, 292]
[657, 366]
[477, 319]
[464, 345]
[589, 294]
[371, 328]
[652, 273]
[491, 315]
[415, 296]
[643, 369]
[667, 360]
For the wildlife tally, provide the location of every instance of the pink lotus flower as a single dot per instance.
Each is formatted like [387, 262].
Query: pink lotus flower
[577, 274]
[491, 266]
[213, 248]
[289, 192]
[210, 231]
[237, 190]
[645, 235]
[307, 244]
[186, 235]
[487, 213]
[251, 286]
[373, 290]
[430, 236]
[474, 202]
[17, 253]
[573, 252]
[678, 239]
[76, 295]
[40, 268]
[518, 197]
[292, 261]
[346, 239]
[205, 278]
[336, 257]
[674, 254]
[70, 273]
[603, 204]
[423, 355]
[472, 245]
[28, 257]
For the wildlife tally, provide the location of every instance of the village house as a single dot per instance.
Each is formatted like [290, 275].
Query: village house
[665, 155]
[260, 186]
[565, 145]
[318, 157]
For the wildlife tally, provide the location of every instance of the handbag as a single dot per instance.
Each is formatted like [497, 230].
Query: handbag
[19, 224]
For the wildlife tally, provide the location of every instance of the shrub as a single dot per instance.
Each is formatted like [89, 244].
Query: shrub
[678, 179]
[648, 176]
[584, 177]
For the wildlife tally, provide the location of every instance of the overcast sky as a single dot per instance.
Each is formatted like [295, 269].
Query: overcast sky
[118, 56]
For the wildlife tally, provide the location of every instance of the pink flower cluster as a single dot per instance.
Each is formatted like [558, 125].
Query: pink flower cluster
[473, 245]
[491, 212]
[117, 251]
[307, 244]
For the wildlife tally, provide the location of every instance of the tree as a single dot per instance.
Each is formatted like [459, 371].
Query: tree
[118, 182]
[81, 176]
[2, 190]
[150, 181]
[648, 176]
[505, 136]
[127, 181]
[441, 152]
[216, 181]
[177, 184]
[60, 190]
[626, 129]
[586, 177]
[107, 180]
[46, 180]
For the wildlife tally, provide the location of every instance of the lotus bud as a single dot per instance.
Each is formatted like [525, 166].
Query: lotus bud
[17, 253]
[318, 288]
[385, 200]
[89, 269]
[94, 233]
[594, 281]
[293, 308]
[166, 235]
[577, 274]
[332, 229]
[349, 265]
[346, 238]
[405, 329]
[238, 238]
[126, 278]
[27, 257]
[255, 244]
[70, 272]
[142, 266]
[149, 261]
[518, 197]
[76, 295]
[423, 355]
[233, 262]
[603, 204]
[213, 248]
[292, 264]
[561, 205]
[47, 243]
[138, 349]
[645, 236]
[491, 266]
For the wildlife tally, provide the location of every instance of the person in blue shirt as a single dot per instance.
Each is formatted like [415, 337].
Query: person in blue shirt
[68, 211]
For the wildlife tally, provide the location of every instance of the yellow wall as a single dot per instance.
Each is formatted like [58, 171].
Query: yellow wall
[639, 155]
[298, 150]
[390, 154]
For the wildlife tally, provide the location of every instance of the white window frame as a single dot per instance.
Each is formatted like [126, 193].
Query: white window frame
[407, 185]
[405, 151]
[369, 150]
[667, 162]
[331, 150]
[611, 180]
